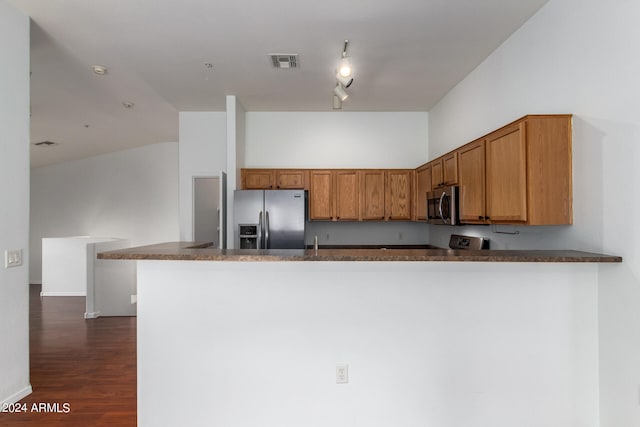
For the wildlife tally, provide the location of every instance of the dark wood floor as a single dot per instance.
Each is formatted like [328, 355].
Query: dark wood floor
[88, 364]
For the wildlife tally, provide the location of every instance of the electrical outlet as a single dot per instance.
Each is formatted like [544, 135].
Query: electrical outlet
[342, 373]
[13, 258]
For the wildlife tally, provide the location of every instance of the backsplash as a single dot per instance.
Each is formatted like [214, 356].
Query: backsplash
[367, 233]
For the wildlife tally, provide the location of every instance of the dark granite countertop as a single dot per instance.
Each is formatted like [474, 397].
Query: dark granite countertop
[189, 251]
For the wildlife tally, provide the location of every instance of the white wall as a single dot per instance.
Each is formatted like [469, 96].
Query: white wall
[579, 57]
[14, 203]
[132, 194]
[203, 152]
[342, 140]
[336, 139]
[428, 344]
[236, 140]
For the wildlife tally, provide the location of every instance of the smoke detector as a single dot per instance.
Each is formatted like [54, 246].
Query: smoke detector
[284, 60]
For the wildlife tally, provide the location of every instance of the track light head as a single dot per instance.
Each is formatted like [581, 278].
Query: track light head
[340, 92]
[345, 66]
[337, 104]
[344, 81]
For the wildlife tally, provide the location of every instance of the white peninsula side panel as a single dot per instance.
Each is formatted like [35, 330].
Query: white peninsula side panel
[245, 344]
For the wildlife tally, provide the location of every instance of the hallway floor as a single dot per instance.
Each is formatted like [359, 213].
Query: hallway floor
[83, 372]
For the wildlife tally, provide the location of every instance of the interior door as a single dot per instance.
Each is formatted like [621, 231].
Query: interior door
[206, 210]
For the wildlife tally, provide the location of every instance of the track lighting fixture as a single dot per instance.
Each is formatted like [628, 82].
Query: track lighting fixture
[340, 92]
[344, 77]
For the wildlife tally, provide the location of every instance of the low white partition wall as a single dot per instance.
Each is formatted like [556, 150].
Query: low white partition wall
[70, 268]
[245, 344]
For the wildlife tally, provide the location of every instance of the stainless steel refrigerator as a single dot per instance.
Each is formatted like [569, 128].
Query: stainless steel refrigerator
[269, 219]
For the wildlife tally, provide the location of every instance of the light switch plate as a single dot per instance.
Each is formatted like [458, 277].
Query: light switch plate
[13, 258]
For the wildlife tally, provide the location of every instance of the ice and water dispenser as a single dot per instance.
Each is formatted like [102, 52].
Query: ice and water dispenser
[248, 236]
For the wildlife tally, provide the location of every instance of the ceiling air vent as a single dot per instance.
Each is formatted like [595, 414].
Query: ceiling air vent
[284, 60]
[45, 143]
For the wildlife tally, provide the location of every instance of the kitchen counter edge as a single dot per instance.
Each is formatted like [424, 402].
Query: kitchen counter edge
[190, 251]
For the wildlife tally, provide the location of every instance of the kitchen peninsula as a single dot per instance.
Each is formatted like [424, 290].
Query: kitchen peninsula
[227, 338]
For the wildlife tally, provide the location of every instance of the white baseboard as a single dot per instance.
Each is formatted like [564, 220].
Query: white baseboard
[63, 294]
[92, 315]
[16, 397]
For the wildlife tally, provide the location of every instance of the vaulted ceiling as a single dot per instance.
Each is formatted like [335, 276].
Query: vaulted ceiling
[406, 54]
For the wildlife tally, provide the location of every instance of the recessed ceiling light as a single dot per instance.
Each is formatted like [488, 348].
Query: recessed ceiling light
[208, 65]
[99, 70]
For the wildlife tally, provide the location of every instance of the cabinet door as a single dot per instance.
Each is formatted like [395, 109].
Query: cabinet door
[450, 168]
[422, 186]
[506, 175]
[471, 159]
[346, 195]
[258, 179]
[398, 194]
[437, 174]
[372, 193]
[290, 179]
[320, 193]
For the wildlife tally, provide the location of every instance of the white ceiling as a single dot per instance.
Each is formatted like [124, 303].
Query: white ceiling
[407, 54]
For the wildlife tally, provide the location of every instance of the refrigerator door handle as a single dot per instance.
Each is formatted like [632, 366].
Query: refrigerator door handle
[259, 243]
[267, 243]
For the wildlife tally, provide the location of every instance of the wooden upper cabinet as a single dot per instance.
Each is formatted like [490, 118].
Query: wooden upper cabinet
[437, 174]
[450, 168]
[422, 186]
[549, 182]
[506, 174]
[291, 179]
[444, 170]
[320, 195]
[274, 179]
[526, 167]
[347, 202]
[258, 179]
[398, 194]
[471, 159]
[372, 194]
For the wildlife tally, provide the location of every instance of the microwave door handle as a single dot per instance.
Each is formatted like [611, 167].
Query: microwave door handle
[440, 207]
[259, 243]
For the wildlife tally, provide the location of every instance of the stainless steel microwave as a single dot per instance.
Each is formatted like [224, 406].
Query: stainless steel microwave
[442, 206]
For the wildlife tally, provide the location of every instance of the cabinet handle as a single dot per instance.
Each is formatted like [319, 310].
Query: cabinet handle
[480, 217]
